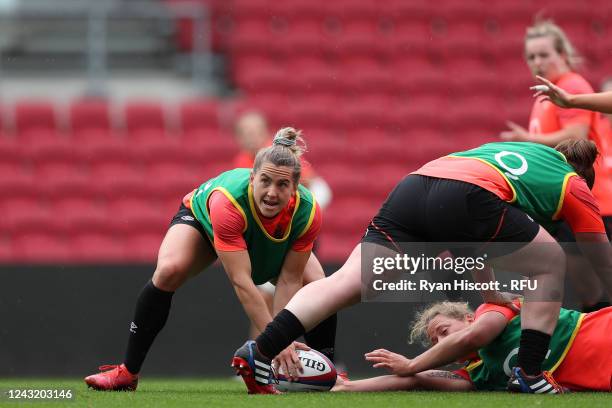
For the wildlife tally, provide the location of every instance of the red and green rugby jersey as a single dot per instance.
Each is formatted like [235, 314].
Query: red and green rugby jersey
[492, 371]
[537, 175]
[266, 252]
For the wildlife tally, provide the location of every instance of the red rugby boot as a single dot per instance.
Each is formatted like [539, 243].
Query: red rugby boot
[117, 378]
[255, 369]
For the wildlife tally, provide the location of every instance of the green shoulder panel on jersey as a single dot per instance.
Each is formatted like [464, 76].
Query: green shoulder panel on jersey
[266, 252]
[537, 174]
[493, 370]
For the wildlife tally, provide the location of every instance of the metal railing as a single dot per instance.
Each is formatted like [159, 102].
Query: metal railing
[98, 14]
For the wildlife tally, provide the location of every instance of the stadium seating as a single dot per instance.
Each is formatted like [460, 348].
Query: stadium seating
[379, 89]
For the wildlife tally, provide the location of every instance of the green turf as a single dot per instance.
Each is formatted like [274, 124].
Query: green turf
[230, 393]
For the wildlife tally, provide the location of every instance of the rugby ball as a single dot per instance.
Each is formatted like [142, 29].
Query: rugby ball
[319, 374]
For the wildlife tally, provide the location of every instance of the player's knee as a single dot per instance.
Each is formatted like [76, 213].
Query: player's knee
[169, 275]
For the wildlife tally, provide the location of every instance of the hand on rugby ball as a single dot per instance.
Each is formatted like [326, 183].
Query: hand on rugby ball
[288, 362]
[395, 363]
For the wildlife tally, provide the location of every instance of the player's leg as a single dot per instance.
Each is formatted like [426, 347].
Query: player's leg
[184, 252]
[584, 281]
[513, 242]
[323, 336]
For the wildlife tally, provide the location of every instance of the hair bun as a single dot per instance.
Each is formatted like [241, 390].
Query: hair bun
[286, 137]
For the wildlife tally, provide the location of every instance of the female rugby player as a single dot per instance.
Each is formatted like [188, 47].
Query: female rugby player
[261, 224]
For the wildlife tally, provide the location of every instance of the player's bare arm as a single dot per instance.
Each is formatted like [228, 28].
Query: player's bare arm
[237, 265]
[600, 102]
[434, 380]
[449, 349]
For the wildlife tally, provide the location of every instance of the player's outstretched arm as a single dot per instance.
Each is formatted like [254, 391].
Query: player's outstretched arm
[601, 102]
[435, 380]
[454, 347]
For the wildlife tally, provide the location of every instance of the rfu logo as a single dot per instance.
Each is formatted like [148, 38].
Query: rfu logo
[315, 365]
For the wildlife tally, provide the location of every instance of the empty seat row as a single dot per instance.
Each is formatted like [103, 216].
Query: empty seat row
[99, 115]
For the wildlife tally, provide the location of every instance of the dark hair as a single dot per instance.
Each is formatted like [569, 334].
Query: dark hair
[581, 154]
[285, 151]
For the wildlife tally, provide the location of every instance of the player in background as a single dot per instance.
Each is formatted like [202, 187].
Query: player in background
[261, 224]
[499, 192]
[550, 54]
[486, 342]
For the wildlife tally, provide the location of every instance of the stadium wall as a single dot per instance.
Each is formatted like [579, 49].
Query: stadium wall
[68, 320]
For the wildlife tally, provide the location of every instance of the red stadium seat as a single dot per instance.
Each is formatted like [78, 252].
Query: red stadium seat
[30, 217]
[90, 247]
[19, 184]
[41, 248]
[31, 115]
[110, 149]
[142, 247]
[90, 115]
[199, 115]
[81, 215]
[68, 184]
[130, 215]
[145, 116]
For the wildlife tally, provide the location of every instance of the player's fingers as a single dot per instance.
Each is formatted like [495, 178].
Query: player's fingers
[285, 369]
[512, 125]
[296, 362]
[513, 307]
[545, 81]
[300, 346]
[381, 365]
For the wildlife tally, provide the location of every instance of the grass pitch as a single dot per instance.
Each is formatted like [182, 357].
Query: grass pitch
[154, 392]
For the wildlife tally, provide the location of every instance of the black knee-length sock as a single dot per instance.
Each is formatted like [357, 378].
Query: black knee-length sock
[152, 309]
[279, 334]
[323, 337]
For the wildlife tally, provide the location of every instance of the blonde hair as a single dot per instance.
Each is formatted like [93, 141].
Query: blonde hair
[287, 147]
[454, 310]
[562, 44]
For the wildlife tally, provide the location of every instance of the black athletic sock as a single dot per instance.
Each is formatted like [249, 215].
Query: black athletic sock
[279, 334]
[323, 337]
[532, 351]
[593, 308]
[152, 309]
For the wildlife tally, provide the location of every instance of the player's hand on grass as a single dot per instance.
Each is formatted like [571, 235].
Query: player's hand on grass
[552, 93]
[395, 363]
[288, 362]
[516, 133]
[503, 299]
